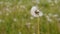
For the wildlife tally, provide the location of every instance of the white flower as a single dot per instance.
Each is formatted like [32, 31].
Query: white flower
[35, 12]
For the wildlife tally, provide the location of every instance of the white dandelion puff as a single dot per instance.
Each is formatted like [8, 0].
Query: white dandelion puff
[35, 12]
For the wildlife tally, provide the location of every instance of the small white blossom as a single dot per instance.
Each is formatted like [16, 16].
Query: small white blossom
[35, 12]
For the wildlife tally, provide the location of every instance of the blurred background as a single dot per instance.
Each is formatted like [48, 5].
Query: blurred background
[15, 17]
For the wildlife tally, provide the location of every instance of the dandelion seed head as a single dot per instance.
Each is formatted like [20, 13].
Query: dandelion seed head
[35, 12]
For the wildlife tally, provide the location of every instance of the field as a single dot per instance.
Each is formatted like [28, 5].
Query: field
[15, 17]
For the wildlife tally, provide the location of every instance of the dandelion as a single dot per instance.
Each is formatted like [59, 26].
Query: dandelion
[35, 12]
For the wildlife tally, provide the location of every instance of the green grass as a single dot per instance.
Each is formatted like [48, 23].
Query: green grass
[20, 10]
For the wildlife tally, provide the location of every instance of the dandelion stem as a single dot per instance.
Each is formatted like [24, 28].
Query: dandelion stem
[38, 26]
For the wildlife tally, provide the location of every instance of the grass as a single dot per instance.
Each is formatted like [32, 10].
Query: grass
[15, 17]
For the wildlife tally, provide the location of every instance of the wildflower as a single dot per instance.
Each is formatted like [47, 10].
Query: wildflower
[35, 12]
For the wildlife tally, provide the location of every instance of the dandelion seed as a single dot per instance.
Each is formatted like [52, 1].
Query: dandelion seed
[35, 12]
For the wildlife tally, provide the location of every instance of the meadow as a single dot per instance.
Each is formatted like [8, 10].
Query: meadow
[15, 17]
